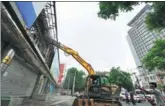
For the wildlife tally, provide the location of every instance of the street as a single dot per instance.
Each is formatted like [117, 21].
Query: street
[138, 104]
[67, 101]
[123, 55]
[61, 101]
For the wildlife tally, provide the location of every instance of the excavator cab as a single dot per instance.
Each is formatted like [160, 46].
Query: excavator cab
[98, 86]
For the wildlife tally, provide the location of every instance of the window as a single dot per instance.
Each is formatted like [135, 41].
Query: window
[146, 78]
[151, 77]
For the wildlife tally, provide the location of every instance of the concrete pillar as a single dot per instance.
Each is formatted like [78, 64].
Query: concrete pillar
[36, 87]
[41, 84]
[44, 85]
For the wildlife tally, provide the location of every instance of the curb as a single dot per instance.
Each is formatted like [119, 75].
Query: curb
[56, 103]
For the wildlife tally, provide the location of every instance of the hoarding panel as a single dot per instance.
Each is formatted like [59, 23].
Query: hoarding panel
[62, 69]
[30, 11]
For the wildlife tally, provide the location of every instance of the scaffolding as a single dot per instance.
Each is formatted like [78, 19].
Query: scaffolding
[45, 25]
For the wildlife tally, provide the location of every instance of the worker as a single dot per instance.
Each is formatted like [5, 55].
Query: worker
[156, 92]
[126, 97]
[163, 92]
[88, 84]
[132, 98]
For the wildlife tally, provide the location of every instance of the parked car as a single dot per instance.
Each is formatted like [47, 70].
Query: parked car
[76, 94]
[138, 98]
[151, 97]
[63, 93]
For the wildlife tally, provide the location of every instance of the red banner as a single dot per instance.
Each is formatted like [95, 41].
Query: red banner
[62, 69]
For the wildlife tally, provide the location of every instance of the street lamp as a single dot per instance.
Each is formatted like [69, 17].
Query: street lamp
[68, 82]
[74, 83]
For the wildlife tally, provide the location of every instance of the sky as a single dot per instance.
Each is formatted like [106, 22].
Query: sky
[102, 43]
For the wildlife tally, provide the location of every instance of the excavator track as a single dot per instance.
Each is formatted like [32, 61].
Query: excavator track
[95, 102]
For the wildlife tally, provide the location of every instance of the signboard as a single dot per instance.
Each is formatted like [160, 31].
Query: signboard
[62, 69]
[30, 11]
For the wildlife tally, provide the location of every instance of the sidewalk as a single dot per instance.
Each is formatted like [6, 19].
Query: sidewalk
[50, 101]
[54, 100]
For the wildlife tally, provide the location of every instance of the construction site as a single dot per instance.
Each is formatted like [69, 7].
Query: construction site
[32, 73]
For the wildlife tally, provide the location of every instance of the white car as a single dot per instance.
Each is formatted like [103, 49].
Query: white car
[76, 94]
[151, 97]
[138, 98]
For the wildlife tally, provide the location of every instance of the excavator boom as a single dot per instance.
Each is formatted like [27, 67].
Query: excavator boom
[74, 54]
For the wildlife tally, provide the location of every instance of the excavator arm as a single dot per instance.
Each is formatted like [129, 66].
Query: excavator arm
[95, 95]
[74, 54]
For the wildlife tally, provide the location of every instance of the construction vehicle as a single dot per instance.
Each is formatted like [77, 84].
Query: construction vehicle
[98, 92]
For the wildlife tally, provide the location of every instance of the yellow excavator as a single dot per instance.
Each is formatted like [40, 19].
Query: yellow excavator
[98, 91]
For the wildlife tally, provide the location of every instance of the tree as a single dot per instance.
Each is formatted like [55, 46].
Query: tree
[80, 80]
[155, 20]
[110, 9]
[155, 58]
[69, 79]
[121, 78]
[68, 82]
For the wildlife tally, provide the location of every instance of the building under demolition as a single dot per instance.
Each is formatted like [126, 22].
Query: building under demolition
[27, 69]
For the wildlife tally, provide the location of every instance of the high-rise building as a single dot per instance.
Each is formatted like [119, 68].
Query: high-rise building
[141, 40]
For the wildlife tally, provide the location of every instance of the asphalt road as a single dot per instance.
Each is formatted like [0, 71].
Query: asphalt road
[137, 104]
[69, 103]
[69, 100]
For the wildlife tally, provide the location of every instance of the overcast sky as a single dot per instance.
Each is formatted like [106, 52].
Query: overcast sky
[102, 43]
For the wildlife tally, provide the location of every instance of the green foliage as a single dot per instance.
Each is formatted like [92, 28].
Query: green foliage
[155, 58]
[79, 82]
[160, 86]
[111, 9]
[155, 20]
[121, 78]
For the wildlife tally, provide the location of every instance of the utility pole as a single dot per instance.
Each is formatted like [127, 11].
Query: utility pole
[124, 75]
[136, 78]
[74, 83]
[68, 83]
